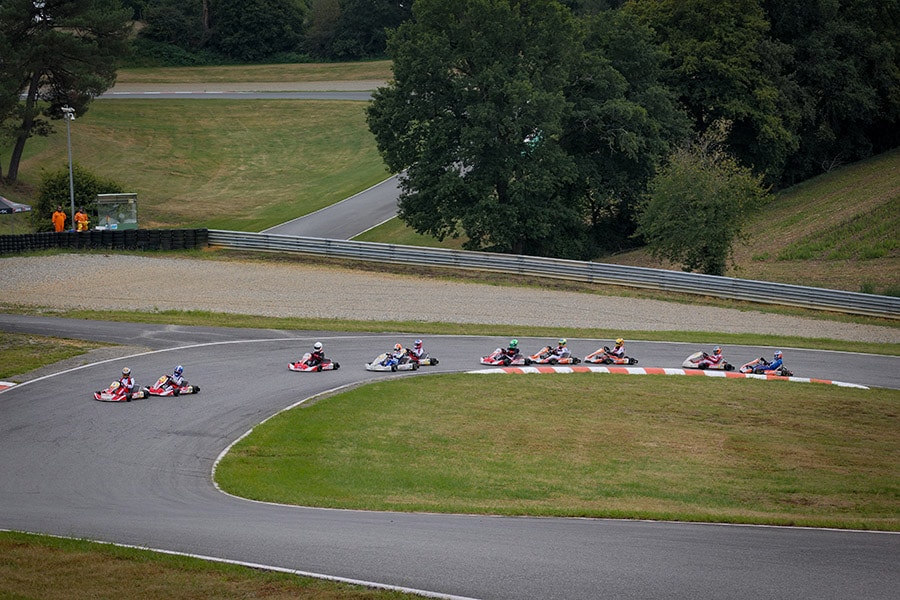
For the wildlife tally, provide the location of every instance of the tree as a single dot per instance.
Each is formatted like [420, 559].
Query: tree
[472, 120]
[720, 55]
[623, 122]
[696, 205]
[322, 24]
[845, 60]
[363, 25]
[250, 30]
[56, 53]
[521, 127]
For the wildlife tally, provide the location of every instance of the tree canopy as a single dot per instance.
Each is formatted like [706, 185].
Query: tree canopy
[498, 117]
[55, 53]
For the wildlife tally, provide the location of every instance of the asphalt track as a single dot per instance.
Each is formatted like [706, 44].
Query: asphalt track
[140, 474]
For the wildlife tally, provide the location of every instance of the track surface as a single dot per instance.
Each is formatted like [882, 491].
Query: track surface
[140, 473]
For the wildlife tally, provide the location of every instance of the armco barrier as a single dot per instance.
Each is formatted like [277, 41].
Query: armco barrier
[126, 239]
[587, 272]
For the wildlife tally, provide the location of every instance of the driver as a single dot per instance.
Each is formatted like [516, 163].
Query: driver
[713, 359]
[399, 351]
[513, 350]
[178, 380]
[127, 382]
[418, 351]
[561, 351]
[619, 350]
[317, 355]
[774, 365]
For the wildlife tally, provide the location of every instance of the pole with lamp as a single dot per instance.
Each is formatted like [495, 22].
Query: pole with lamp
[69, 116]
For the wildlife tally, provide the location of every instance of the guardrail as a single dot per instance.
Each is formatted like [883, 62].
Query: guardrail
[571, 270]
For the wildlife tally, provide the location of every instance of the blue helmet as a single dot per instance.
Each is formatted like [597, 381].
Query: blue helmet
[778, 354]
[179, 370]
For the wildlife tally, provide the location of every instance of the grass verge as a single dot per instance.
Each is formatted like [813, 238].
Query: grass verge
[352, 71]
[21, 353]
[49, 568]
[587, 445]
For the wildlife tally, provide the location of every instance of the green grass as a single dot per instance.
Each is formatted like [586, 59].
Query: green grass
[587, 446]
[218, 163]
[352, 71]
[396, 231]
[21, 353]
[49, 568]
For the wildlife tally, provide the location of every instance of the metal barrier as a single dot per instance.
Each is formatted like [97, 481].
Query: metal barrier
[571, 270]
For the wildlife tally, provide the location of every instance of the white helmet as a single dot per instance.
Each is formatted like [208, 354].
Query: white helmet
[317, 346]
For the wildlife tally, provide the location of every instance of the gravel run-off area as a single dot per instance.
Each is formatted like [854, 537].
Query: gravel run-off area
[145, 283]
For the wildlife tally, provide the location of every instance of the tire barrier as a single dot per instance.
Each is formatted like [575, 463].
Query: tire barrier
[126, 239]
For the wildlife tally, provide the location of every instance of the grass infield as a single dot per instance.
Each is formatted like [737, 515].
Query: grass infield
[587, 445]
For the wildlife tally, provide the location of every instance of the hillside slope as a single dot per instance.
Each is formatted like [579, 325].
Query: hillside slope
[840, 230]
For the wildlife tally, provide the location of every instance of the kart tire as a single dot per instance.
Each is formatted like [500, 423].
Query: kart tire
[607, 361]
[434, 361]
[415, 366]
[633, 361]
[702, 366]
[553, 361]
[393, 367]
[318, 368]
[729, 367]
[196, 388]
[337, 366]
[506, 362]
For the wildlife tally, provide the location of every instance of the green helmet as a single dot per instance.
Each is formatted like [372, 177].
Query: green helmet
[562, 341]
[513, 343]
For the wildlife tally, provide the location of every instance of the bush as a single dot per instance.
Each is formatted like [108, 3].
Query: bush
[54, 191]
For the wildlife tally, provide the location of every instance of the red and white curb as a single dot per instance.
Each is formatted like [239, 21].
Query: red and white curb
[660, 371]
[6, 384]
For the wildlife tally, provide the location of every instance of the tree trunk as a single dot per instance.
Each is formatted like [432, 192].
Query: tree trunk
[25, 129]
[205, 23]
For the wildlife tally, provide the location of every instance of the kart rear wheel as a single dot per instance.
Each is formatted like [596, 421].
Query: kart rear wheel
[393, 367]
[415, 366]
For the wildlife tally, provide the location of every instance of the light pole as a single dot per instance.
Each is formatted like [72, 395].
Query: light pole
[69, 116]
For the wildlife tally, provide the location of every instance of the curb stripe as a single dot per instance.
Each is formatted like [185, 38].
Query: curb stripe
[661, 371]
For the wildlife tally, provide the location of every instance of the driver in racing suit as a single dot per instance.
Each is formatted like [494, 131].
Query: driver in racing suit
[711, 360]
[317, 355]
[418, 351]
[772, 366]
[619, 350]
[177, 380]
[127, 382]
[561, 351]
[512, 352]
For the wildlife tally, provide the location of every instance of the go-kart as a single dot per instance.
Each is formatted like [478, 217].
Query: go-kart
[424, 361]
[499, 358]
[605, 357]
[303, 365]
[756, 365]
[697, 360]
[116, 393]
[164, 386]
[388, 362]
[545, 356]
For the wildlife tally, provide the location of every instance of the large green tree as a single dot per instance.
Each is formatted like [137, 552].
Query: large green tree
[250, 30]
[55, 53]
[472, 120]
[511, 122]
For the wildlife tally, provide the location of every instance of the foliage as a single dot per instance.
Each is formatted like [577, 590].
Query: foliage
[250, 30]
[696, 205]
[506, 126]
[845, 60]
[56, 53]
[622, 122]
[54, 191]
[721, 60]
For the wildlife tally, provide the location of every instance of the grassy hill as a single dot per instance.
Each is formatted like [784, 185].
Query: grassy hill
[840, 230]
